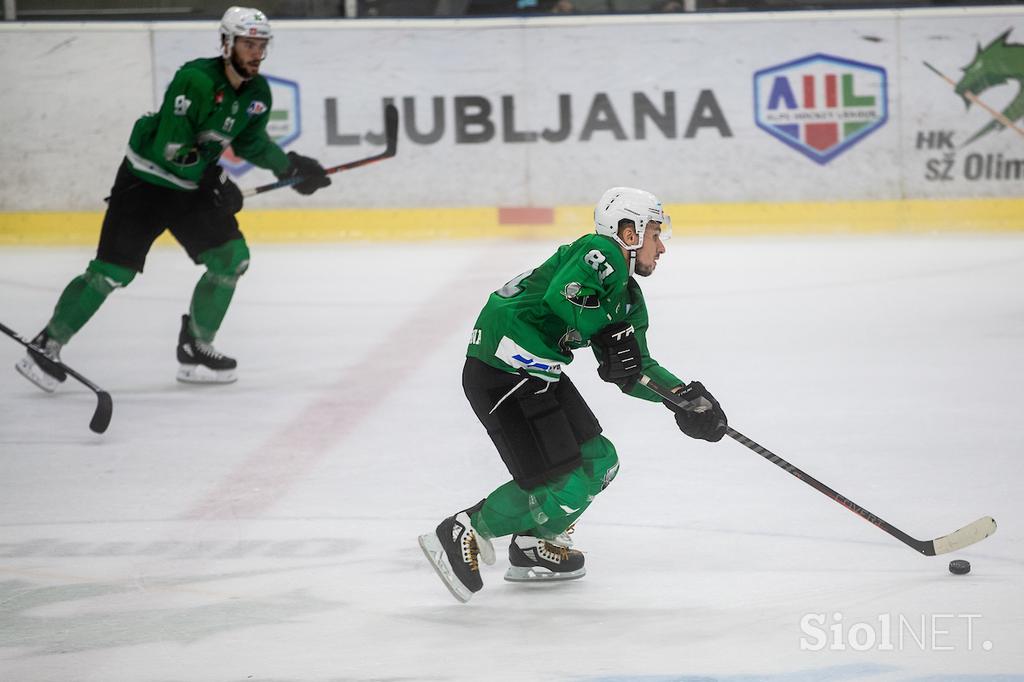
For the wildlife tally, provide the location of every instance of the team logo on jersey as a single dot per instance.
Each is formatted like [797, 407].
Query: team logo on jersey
[570, 339]
[284, 122]
[572, 292]
[821, 105]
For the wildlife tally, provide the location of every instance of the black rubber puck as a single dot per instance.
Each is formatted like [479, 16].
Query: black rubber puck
[959, 566]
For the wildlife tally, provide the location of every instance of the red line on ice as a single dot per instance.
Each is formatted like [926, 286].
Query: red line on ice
[269, 472]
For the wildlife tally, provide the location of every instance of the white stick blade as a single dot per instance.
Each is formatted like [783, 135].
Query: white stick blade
[966, 536]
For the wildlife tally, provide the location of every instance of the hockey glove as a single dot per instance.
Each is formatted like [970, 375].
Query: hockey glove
[313, 174]
[618, 354]
[700, 415]
[219, 190]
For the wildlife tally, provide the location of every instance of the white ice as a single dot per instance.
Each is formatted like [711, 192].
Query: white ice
[267, 530]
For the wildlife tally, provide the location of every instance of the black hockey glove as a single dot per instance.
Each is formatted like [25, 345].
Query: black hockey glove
[619, 354]
[219, 189]
[700, 415]
[305, 167]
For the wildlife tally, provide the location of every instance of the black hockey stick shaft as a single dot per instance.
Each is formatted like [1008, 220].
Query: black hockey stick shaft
[391, 140]
[104, 404]
[920, 545]
[973, 532]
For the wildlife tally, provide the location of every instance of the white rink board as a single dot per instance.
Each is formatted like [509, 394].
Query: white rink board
[550, 111]
[931, 106]
[69, 100]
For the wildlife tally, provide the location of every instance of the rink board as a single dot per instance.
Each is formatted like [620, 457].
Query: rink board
[964, 215]
[733, 108]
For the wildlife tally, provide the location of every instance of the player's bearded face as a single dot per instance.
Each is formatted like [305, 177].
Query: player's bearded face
[246, 56]
[648, 254]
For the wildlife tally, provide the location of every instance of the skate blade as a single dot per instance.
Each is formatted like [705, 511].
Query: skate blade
[30, 370]
[536, 574]
[435, 554]
[199, 374]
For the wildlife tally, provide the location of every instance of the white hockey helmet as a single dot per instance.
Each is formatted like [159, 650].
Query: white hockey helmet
[627, 203]
[243, 22]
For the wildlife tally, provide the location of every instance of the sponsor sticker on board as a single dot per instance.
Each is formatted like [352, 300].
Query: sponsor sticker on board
[821, 105]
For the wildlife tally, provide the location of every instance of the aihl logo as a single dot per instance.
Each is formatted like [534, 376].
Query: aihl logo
[821, 105]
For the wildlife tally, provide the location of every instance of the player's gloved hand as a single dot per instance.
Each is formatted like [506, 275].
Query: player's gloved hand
[220, 190]
[305, 167]
[700, 415]
[619, 354]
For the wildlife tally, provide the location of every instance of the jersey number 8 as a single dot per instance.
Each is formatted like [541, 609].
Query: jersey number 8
[181, 105]
[596, 260]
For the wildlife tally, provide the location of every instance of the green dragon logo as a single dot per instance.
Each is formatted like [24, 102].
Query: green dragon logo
[994, 65]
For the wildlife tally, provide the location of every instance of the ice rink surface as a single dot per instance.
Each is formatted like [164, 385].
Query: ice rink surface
[266, 530]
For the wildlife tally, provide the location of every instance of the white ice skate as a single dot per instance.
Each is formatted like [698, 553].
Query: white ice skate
[38, 368]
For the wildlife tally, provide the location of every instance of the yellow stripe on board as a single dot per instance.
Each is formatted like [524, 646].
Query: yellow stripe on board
[331, 225]
[949, 215]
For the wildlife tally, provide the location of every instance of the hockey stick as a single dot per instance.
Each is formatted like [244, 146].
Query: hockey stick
[958, 539]
[104, 404]
[997, 115]
[390, 136]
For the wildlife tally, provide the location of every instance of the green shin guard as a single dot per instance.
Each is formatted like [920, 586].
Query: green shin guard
[508, 510]
[213, 293]
[600, 465]
[83, 296]
[210, 301]
[549, 509]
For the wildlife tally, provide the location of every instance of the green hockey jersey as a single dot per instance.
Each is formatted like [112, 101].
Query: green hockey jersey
[200, 117]
[539, 318]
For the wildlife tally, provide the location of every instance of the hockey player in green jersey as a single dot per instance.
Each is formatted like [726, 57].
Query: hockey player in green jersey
[548, 438]
[170, 179]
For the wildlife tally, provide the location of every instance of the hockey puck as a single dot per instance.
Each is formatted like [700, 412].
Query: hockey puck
[959, 567]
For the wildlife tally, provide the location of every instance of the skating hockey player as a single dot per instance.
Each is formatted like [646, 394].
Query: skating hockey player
[515, 380]
[170, 179]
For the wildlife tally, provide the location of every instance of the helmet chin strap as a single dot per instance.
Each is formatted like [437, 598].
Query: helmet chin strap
[631, 250]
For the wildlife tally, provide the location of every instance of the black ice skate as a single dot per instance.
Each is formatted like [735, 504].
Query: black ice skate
[39, 368]
[454, 549]
[200, 362]
[536, 560]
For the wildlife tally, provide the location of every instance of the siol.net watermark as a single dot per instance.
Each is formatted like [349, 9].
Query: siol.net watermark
[893, 632]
